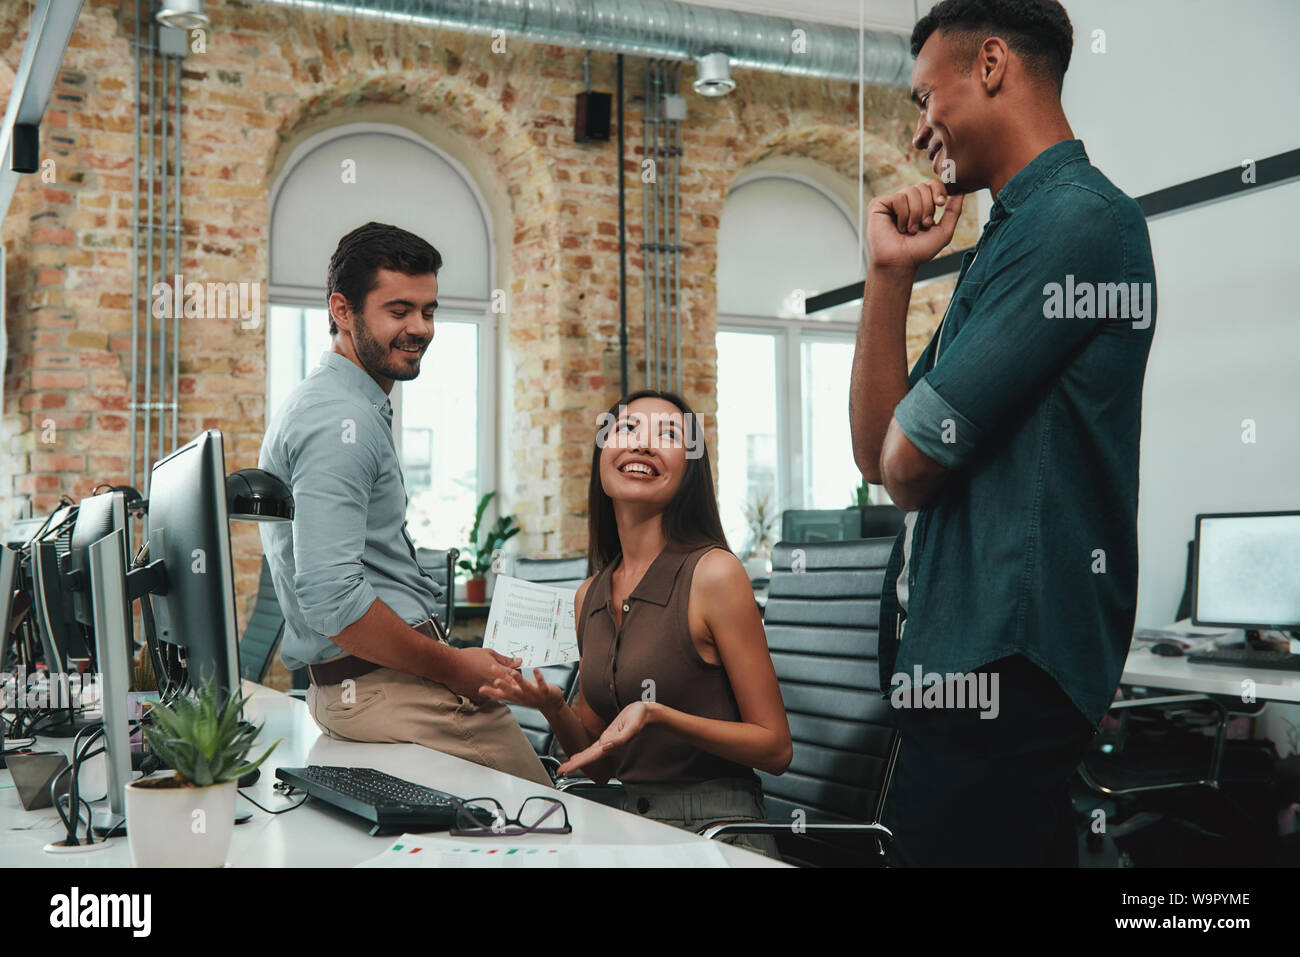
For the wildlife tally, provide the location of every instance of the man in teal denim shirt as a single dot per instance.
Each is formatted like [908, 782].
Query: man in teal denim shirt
[1013, 444]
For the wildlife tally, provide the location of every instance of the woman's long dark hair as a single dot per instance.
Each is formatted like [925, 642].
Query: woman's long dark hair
[691, 518]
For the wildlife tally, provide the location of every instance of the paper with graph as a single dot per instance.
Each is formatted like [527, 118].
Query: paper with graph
[423, 850]
[533, 622]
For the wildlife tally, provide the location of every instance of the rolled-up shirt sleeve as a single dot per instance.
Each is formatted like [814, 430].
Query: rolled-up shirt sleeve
[1011, 343]
[335, 469]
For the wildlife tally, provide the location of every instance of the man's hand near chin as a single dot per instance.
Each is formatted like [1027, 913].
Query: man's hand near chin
[904, 230]
[911, 226]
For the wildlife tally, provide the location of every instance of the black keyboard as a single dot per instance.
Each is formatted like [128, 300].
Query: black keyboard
[1248, 658]
[388, 803]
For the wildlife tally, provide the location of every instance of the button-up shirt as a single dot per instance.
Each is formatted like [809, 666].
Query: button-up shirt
[1030, 394]
[648, 655]
[332, 442]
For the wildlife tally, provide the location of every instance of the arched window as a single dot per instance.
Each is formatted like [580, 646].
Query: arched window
[783, 377]
[443, 421]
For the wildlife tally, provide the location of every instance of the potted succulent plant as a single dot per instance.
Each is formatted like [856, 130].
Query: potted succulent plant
[862, 495]
[184, 818]
[477, 560]
[761, 520]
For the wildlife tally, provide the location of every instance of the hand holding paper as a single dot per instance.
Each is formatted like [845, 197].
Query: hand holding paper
[532, 622]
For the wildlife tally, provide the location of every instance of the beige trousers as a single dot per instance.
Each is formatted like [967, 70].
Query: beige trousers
[393, 706]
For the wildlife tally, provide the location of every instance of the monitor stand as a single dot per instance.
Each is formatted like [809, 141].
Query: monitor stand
[106, 822]
[68, 726]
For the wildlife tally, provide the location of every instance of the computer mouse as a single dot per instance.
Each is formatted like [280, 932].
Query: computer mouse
[1167, 649]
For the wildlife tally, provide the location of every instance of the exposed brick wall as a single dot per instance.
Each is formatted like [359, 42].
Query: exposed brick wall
[267, 76]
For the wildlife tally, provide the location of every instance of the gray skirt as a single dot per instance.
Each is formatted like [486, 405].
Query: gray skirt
[692, 805]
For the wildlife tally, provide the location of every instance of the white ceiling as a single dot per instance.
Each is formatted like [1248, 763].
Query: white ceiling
[896, 16]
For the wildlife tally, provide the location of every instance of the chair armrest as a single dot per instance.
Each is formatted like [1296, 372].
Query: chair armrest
[720, 828]
[571, 784]
[1190, 698]
[1216, 754]
[609, 794]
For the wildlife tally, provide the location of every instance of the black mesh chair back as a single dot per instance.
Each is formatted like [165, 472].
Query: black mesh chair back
[821, 618]
[440, 565]
[561, 573]
[881, 521]
[261, 639]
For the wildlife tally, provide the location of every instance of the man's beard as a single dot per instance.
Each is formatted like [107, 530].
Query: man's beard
[378, 358]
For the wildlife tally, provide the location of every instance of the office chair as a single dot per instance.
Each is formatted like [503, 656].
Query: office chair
[261, 638]
[821, 618]
[881, 521]
[561, 573]
[822, 631]
[841, 524]
[440, 565]
[1158, 767]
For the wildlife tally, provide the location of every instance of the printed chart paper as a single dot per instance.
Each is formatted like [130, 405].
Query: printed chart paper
[533, 622]
[414, 850]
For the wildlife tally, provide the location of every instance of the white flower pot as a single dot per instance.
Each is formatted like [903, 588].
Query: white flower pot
[759, 562]
[179, 827]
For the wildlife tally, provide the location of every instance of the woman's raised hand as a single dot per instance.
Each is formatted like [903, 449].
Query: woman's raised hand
[630, 722]
[508, 685]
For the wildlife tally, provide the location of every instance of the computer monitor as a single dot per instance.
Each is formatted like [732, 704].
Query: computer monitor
[1247, 570]
[97, 517]
[62, 636]
[22, 531]
[16, 628]
[111, 609]
[8, 586]
[189, 531]
[820, 525]
[63, 640]
[188, 583]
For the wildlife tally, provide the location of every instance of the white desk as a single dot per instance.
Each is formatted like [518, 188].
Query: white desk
[317, 835]
[1157, 671]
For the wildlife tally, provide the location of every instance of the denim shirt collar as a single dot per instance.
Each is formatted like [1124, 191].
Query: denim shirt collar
[358, 380]
[1036, 172]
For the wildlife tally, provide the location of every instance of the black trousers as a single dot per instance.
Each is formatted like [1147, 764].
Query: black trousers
[979, 792]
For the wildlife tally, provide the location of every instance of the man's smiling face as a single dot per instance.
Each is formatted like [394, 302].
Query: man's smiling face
[955, 111]
[395, 326]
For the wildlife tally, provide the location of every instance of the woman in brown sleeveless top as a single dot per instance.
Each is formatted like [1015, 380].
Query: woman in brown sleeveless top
[678, 698]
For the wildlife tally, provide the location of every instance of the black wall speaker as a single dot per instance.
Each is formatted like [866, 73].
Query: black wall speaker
[27, 147]
[591, 117]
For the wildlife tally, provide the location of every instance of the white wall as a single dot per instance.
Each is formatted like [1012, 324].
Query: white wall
[1186, 88]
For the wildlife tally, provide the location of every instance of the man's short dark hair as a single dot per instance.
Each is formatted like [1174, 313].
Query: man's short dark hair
[1038, 30]
[367, 249]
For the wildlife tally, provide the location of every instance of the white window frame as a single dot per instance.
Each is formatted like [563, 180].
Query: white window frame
[477, 310]
[790, 335]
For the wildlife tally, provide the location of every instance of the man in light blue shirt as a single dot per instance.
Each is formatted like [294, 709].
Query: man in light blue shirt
[358, 608]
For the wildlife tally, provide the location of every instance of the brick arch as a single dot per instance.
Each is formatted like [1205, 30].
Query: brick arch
[483, 128]
[486, 127]
[511, 175]
[886, 167]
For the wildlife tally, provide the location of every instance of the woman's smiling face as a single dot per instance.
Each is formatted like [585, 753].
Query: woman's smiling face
[643, 459]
